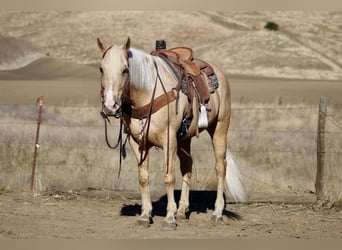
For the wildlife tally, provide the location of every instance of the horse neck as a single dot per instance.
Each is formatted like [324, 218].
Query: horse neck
[138, 97]
[143, 78]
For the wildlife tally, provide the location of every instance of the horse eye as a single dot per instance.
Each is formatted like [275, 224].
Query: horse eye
[125, 71]
[101, 70]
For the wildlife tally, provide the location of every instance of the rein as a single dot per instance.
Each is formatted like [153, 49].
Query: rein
[148, 119]
[119, 142]
[168, 119]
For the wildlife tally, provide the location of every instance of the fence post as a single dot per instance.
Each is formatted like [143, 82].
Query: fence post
[322, 114]
[36, 144]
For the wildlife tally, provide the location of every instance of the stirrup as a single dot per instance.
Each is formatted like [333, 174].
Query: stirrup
[203, 117]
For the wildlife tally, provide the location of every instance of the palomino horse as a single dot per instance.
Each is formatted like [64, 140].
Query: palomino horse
[131, 77]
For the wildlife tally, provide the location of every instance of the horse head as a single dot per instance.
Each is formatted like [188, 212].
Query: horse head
[114, 70]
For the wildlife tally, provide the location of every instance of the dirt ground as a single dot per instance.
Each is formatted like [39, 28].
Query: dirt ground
[74, 215]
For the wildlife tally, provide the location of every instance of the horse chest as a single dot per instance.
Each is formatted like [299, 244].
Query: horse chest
[141, 130]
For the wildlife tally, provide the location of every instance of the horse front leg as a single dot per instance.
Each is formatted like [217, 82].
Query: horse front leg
[185, 159]
[169, 180]
[143, 167]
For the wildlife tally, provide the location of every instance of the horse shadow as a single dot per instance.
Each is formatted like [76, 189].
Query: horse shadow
[200, 202]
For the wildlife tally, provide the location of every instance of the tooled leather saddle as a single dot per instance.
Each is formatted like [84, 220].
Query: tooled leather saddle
[196, 78]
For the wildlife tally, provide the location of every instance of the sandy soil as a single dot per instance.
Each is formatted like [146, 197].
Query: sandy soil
[73, 215]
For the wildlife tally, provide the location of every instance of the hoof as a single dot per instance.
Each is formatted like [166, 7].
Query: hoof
[143, 223]
[169, 226]
[181, 216]
[216, 218]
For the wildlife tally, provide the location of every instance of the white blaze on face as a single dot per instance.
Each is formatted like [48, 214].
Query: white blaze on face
[109, 101]
[113, 78]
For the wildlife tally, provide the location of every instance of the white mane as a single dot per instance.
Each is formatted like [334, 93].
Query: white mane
[141, 68]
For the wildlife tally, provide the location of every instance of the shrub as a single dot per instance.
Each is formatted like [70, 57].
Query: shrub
[271, 26]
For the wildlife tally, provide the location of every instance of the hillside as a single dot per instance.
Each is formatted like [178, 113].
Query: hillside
[307, 45]
[16, 53]
[46, 68]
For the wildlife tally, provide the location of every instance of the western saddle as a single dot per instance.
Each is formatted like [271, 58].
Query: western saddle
[196, 79]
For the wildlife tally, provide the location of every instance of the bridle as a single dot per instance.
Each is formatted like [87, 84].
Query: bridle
[120, 142]
[122, 111]
[123, 127]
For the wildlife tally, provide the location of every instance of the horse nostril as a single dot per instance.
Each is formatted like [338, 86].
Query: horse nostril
[111, 105]
[116, 106]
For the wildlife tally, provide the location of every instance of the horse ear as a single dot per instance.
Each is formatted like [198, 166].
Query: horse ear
[128, 43]
[100, 45]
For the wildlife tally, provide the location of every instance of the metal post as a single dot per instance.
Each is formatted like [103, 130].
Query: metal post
[36, 144]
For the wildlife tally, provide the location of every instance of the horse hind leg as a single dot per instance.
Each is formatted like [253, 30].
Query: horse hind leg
[218, 134]
[183, 152]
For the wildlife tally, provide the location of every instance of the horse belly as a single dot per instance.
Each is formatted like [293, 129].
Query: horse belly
[156, 132]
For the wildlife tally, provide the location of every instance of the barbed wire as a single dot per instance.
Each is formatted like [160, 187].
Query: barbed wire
[56, 125]
[230, 130]
[99, 106]
[334, 121]
[271, 131]
[63, 147]
[329, 116]
[55, 106]
[76, 126]
[103, 147]
[19, 123]
[271, 108]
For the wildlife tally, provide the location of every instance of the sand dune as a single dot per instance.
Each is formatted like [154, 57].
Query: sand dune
[21, 60]
[51, 69]
[16, 53]
[58, 80]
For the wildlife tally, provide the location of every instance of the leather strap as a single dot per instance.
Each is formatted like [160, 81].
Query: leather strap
[143, 112]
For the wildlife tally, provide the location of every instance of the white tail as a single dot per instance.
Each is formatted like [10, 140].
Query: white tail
[233, 180]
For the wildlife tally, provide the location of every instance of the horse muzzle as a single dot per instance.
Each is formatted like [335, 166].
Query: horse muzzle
[113, 110]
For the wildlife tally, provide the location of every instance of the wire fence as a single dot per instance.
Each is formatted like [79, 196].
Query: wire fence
[59, 124]
[335, 129]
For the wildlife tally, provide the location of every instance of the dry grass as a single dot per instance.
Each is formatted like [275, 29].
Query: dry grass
[277, 146]
[274, 144]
